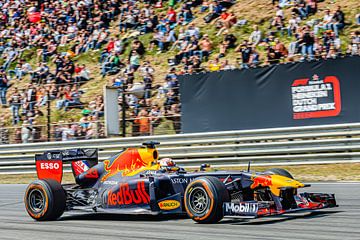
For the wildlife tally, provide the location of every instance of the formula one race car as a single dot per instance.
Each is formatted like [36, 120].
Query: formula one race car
[134, 181]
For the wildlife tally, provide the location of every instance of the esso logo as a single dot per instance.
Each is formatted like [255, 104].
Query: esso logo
[50, 166]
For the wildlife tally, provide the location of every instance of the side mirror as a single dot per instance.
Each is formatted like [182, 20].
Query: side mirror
[204, 166]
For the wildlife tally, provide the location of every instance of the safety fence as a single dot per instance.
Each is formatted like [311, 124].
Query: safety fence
[276, 146]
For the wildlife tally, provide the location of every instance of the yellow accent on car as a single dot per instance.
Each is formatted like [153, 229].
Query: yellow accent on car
[169, 205]
[147, 155]
[282, 182]
[143, 169]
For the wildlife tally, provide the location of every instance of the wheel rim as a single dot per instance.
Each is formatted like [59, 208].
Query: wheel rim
[36, 200]
[199, 201]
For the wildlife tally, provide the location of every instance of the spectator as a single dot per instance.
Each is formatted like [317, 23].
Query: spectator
[254, 58]
[73, 101]
[293, 24]
[15, 103]
[280, 48]
[155, 116]
[17, 136]
[25, 69]
[99, 107]
[82, 74]
[307, 42]
[225, 65]
[92, 130]
[325, 23]
[10, 54]
[338, 20]
[214, 65]
[311, 7]
[171, 16]
[3, 87]
[225, 21]
[143, 120]
[26, 132]
[245, 49]
[354, 46]
[228, 42]
[173, 114]
[206, 46]
[255, 36]
[67, 133]
[4, 134]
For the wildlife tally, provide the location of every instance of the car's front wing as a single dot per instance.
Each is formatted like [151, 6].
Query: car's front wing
[254, 209]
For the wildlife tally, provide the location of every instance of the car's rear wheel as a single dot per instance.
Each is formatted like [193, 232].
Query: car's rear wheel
[45, 200]
[204, 198]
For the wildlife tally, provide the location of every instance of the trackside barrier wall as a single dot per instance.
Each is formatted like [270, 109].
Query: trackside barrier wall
[322, 144]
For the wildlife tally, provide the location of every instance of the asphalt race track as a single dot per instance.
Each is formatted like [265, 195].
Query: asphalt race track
[337, 223]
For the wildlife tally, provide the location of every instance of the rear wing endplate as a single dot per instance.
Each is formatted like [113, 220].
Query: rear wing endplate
[50, 164]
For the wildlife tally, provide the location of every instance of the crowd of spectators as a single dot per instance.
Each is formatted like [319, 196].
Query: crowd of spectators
[53, 32]
[48, 27]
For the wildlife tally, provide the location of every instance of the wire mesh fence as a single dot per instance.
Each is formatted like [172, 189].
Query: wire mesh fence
[62, 131]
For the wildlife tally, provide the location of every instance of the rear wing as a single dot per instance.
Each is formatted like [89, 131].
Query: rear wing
[50, 163]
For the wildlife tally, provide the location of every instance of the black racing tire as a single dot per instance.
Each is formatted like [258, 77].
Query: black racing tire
[45, 200]
[204, 198]
[279, 171]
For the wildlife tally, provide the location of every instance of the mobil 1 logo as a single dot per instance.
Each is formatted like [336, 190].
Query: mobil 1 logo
[240, 209]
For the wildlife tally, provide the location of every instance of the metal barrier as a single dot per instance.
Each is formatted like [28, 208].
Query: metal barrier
[275, 146]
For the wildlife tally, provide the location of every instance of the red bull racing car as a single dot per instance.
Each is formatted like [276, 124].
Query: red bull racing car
[134, 181]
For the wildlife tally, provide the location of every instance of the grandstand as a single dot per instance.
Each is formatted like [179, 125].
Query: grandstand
[62, 54]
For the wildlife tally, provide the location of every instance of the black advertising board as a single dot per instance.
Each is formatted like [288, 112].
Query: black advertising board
[292, 94]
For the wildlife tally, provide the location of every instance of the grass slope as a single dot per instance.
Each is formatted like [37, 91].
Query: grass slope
[255, 12]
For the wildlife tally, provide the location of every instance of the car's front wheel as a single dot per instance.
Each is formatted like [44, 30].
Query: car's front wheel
[45, 200]
[204, 198]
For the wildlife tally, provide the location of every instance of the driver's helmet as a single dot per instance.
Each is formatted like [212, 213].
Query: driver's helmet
[166, 162]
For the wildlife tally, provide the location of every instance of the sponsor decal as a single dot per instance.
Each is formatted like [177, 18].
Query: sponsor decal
[110, 182]
[127, 196]
[228, 179]
[126, 163]
[49, 169]
[150, 172]
[316, 98]
[49, 165]
[66, 153]
[51, 156]
[169, 205]
[92, 173]
[181, 180]
[261, 181]
[240, 209]
[79, 167]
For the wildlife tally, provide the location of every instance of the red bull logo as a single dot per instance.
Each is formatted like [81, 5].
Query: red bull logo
[263, 181]
[126, 163]
[127, 196]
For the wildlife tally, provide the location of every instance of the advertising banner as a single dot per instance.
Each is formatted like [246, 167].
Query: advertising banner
[292, 94]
